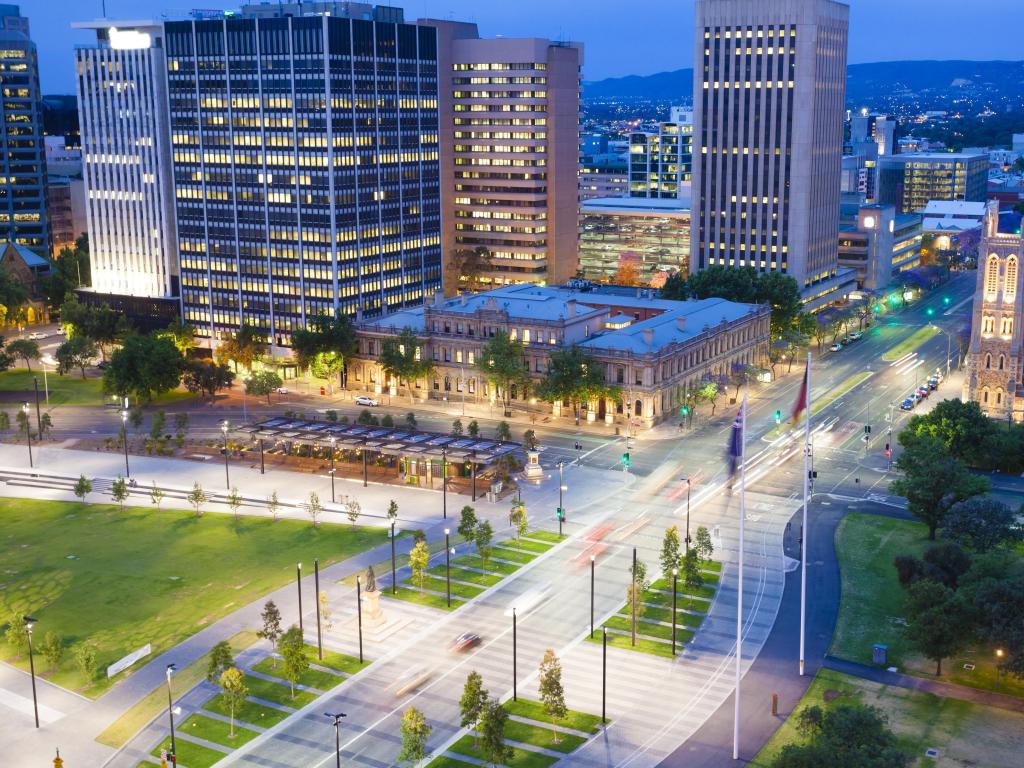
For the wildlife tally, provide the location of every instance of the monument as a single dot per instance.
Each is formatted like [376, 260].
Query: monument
[373, 614]
[533, 469]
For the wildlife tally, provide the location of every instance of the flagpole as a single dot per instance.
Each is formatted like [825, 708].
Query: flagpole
[739, 598]
[803, 529]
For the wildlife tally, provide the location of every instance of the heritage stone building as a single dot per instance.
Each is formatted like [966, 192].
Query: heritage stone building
[995, 356]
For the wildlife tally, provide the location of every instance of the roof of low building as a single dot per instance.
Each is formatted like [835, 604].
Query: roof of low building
[959, 208]
[30, 257]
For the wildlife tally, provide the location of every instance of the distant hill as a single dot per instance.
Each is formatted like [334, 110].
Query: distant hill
[866, 83]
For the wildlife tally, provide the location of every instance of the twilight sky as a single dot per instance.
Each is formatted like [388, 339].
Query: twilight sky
[651, 36]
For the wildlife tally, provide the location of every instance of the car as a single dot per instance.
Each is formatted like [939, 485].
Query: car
[282, 390]
[907, 405]
[933, 382]
[923, 392]
[364, 400]
[530, 598]
[836, 347]
[464, 642]
[856, 336]
[103, 365]
[412, 679]
[37, 335]
[938, 375]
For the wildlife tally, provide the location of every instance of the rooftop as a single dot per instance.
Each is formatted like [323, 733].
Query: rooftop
[953, 208]
[637, 205]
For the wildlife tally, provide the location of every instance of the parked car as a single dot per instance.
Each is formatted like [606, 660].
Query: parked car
[364, 400]
[923, 392]
[856, 336]
[37, 335]
[836, 347]
[282, 390]
[933, 382]
[907, 405]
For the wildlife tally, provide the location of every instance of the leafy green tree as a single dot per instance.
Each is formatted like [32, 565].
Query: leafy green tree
[961, 427]
[156, 427]
[474, 699]
[410, 420]
[415, 732]
[552, 694]
[457, 427]
[999, 601]
[352, 511]
[243, 348]
[981, 523]
[483, 536]
[273, 505]
[26, 349]
[263, 384]
[6, 359]
[576, 376]
[181, 423]
[83, 487]
[103, 325]
[938, 621]
[156, 496]
[419, 559]
[782, 294]
[692, 576]
[392, 511]
[221, 659]
[12, 293]
[5, 418]
[473, 428]
[402, 361]
[197, 497]
[294, 658]
[491, 727]
[470, 265]
[16, 633]
[503, 432]
[467, 524]
[181, 335]
[844, 736]
[315, 508]
[234, 691]
[70, 271]
[144, 366]
[670, 557]
[85, 660]
[52, 649]
[270, 628]
[204, 377]
[119, 492]
[933, 480]
[503, 362]
[703, 545]
[326, 345]
[638, 584]
[77, 352]
[234, 500]
[517, 517]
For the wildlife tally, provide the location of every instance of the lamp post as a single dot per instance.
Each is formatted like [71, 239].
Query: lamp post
[591, 595]
[514, 651]
[124, 439]
[28, 435]
[298, 586]
[687, 480]
[334, 442]
[394, 579]
[632, 599]
[949, 346]
[227, 477]
[29, 623]
[675, 583]
[359, 613]
[444, 485]
[447, 567]
[561, 509]
[999, 662]
[39, 415]
[604, 672]
[170, 714]
[337, 735]
[316, 588]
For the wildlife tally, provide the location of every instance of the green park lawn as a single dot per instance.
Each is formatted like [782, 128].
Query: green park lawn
[438, 584]
[248, 712]
[909, 344]
[511, 555]
[70, 389]
[473, 561]
[428, 599]
[537, 736]
[653, 647]
[549, 536]
[217, 731]
[526, 545]
[462, 574]
[871, 609]
[190, 755]
[313, 678]
[521, 758]
[339, 662]
[965, 734]
[278, 693]
[118, 580]
[534, 710]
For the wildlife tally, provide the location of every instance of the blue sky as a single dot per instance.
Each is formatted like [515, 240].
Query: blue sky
[621, 38]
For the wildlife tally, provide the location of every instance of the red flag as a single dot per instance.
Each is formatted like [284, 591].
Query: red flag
[801, 400]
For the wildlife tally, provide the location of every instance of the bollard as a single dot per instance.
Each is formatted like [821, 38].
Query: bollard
[775, 704]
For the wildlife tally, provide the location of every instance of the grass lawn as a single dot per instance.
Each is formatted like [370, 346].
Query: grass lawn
[423, 598]
[462, 574]
[964, 733]
[473, 561]
[119, 580]
[649, 629]
[526, 545]
[314, 678]
[683, 619]
[534, 710]
[131, 722]
[247, 712]
[217, 731]
[521, 758]
[909, 344]
[340, 662]
[277, 693]
[70, 389]
[682, 601]
[653, 647]
[550, 536]
[439, 585]
[513, 555]
[190, 755]
[538, 736]
[449, 762]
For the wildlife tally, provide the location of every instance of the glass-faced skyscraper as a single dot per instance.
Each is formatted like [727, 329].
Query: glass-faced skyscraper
[305, 161]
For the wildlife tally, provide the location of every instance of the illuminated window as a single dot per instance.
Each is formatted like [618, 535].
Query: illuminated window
[1010, 291]
[992, 276]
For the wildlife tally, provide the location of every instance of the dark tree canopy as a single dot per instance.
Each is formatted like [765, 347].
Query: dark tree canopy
[144, 366]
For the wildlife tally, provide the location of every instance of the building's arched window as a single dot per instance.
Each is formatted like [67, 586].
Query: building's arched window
[992, 276]
[988, 324]
[1010, 287]
[1006, 326]
[988, 362]
[984, 395]
[1002, 362]
[999, 397]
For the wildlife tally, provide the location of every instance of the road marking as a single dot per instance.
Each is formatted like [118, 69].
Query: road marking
[24, 705]
[956, 306]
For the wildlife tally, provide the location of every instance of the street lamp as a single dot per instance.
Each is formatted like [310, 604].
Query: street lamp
[316, 592]
[28, 435]
[591, 595]
[170, 714]
[604, 672]
[394, 584]
[949, 343]
[124, 439]
[999, 663]
[359, 613]
[227, 478]
[675, 583]
[688, 484]
[337, 735]
[444, 484]
[298, 586]
[561, 509]
[447, 567]
[334, 442]
[515, 650]
[29, 623]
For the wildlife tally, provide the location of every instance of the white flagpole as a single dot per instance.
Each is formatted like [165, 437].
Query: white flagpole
[739, 596]
[803, 530]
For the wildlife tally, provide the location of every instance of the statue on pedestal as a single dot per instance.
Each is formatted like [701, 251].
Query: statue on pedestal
[373, 614]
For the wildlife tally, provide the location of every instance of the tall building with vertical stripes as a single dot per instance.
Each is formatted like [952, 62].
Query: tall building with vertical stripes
[122, 111]
[769, 90]
[305, 164]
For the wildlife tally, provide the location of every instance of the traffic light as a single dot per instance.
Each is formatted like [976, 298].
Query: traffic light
[945, 299]
[560, 514]
[929, 311]
[625, 460]
[888, 451]
[684, 411]
[778, 417]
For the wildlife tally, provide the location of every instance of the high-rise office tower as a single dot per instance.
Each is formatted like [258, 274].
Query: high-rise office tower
[305, 157]
[911, 181]
[22, 151]
[661, 163]
[768, 124]
[122, 108]
[510, 113]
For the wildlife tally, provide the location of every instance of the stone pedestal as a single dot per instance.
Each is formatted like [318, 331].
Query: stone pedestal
[373, 614]
[533, 468]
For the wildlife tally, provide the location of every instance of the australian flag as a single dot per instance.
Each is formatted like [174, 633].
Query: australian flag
[735, 452]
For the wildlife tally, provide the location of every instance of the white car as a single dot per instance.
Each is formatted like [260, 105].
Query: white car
[532, 597]
[366, 401]
[282, 390]
[36, 335]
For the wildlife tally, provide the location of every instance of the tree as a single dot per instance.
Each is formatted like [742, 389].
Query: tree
[1000, 611]
[503, 362]
[782, 294]
[710, 391]
[271, 624]
[70, 271]
[119, 492]
[473, 428]
[981, 523]
[670, 557]
[457, 427]
[419, 559]
[181, 335]
[26, 349]
[961, 427]
[181, 423]
[5, 419]
[352, 511]
[52, 649]
[675, 287]
[410, 420]
[638, 584]
[517, 517]
[85, 659]
[482, 538]
[234, 500]
[703, 545]
[273, 504]
[244, 348]
[938, 621]
[315, 508]
[204, 377]
[156, 496]
[576, 376]
[325, 610]
[144, 366]
[263, 384]
[467, 524]
[530, 440]
[293, 655]
[104, 325]
[474, 699]
[76, 352]
[197, 497]
[326, 345]
[392, 511]
[491, 727]
[503, 432]
[415, 732]
[221, 659]
[552, 695]
[692, 576]
[16, 633]
[83, 487]
[470, 265]
[844, 736]
[627, 274]
[933, 480]
[12, 293]
[24, 422]
[234, 691]
[156, 427]
[402, 361]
